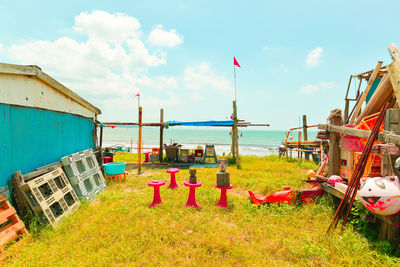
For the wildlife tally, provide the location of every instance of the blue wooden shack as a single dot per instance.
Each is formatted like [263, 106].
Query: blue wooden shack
[41, 121]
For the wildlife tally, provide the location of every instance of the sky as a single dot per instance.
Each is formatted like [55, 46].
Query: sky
[296, 56]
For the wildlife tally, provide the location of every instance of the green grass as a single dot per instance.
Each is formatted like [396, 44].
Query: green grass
[118, 228]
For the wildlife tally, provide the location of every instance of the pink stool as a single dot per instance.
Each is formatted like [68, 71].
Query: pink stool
[192, 195]
[222, 201]
[147, 158]
[156, 197]
[173, 183]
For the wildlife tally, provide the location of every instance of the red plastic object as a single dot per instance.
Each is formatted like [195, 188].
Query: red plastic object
[117, 177]
[287, 196]
[107, 159]
[192, 195]
[173, 183]
[156, 198]
[368, 123]
[147, 157]
[222, 200]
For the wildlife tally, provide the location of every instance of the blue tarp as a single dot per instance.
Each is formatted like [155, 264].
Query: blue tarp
[200, 123]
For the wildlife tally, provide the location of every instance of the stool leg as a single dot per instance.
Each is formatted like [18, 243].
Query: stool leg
[156, 197]
[173, 183]
[192, 198]
[223, 201]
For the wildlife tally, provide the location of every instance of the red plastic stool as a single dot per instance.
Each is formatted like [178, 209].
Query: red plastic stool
[192, 195]
[173, 183]
[156, 197]
[222, 201]
[147, 158]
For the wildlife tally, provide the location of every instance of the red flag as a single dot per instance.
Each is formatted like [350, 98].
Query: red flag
[235, 62]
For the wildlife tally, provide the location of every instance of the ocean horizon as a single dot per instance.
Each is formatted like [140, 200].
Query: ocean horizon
[258, 142]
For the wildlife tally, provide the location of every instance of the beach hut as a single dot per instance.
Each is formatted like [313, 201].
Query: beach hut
[41, 121]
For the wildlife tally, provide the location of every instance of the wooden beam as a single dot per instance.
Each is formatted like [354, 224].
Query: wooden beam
[236, 135]
[394, 74]
[364, 96]
[383, 136]
[377, 99]
[161, 135]
[394, 52]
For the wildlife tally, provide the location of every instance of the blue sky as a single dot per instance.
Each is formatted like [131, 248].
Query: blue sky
[296, 56]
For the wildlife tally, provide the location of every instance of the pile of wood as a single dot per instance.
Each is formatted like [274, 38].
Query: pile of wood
[383, 86]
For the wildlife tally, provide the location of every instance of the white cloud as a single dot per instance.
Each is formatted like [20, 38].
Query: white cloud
[314, 57]
[100, 25]
[310, 88]
[109, 67]
[160, 37]
[202, 78]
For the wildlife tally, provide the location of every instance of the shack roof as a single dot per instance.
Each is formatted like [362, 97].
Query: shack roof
[36, 72]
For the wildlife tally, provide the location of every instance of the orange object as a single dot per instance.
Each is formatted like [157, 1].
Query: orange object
[117, 177]
[155, 151]
[374, 164]
[14, 228]
[346, 173]
[368, 123]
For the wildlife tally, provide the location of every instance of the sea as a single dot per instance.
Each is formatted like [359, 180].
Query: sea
[252, 141]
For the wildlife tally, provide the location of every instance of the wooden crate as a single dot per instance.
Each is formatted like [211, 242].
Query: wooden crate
[13, 227]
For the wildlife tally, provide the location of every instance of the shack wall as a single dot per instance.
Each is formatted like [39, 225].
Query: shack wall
[32, 137]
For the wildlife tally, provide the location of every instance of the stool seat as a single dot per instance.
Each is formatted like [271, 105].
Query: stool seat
[172, 170]
[173, 183]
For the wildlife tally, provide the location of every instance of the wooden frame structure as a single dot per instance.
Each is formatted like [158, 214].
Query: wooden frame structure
[236, 123]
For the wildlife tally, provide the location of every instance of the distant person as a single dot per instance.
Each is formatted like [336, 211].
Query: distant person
[282, 150]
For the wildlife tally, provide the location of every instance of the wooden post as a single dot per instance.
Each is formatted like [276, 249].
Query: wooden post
[334, 150]
[299, 146]
[101, 149]
[305, 135]
[101, 135]
[140, 142]
[233, 143]
[161, 155]
[235, 134]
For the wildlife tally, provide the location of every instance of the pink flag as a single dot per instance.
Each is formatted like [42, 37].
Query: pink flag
[235, 62]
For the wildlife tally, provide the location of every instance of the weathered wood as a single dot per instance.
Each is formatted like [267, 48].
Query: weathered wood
[385, 137]
[236, 137]
[305, 135]
[364, 96]
[161, 155]
[140, 142]
[379, 97]
[394, 52]
[394, 72]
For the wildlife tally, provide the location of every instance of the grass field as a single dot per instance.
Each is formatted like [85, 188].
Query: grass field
[118, 228]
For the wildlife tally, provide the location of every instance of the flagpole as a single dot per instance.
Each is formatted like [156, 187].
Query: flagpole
[234, 75]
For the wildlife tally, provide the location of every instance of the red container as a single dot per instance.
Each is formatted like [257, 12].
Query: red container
[108, 159]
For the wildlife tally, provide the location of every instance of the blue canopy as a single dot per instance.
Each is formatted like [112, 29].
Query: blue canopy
[200, 123]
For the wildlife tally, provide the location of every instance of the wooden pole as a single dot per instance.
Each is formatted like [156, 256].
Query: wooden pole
[233, 142]
[140, 142]
[305, 135]
[101, 136]
[346, 108]
[299, 147]
[334, 150]
[235, 134]
[161, 135]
